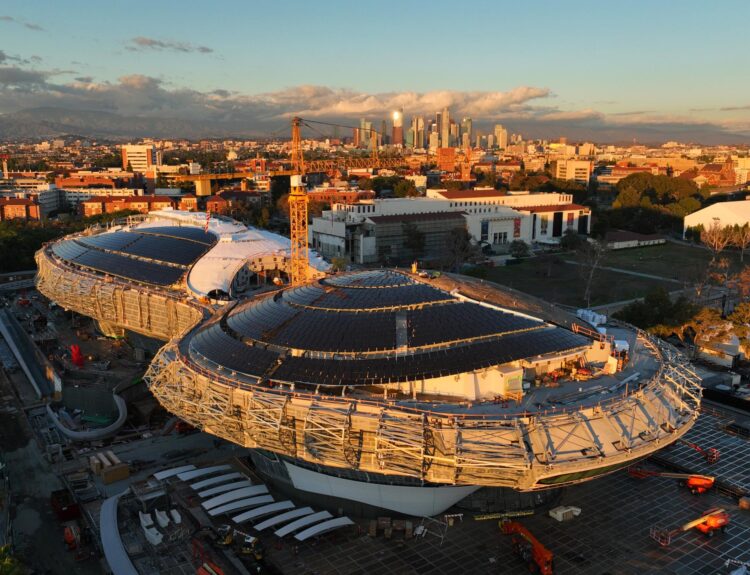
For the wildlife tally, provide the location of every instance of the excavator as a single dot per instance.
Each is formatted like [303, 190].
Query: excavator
[697, 484]
[529, 548]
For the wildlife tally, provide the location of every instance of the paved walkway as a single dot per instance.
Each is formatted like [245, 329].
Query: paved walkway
[630, 272]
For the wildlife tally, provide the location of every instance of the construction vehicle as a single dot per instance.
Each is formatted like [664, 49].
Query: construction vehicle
[250, 546]
[713, 520]
[224, 535]
[538, 558]
[711, 454]
[697, 484]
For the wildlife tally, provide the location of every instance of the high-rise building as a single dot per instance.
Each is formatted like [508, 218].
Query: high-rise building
[383, 136]
[445, 128]
[501, 136]
[454, 136]
[365, 134]
[466, 128]
[397, 138]
[418, 126]
[434, 141]
[140, 157]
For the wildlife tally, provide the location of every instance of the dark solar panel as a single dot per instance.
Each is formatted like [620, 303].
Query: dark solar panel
[184, 232]
[439, 323]
[216, 346]
[114, 241]
[428, 365]
[125, 267]
[68, 249]
[273, 321]
[166, 249]
[374, 278]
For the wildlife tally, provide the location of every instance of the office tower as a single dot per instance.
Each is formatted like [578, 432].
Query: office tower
[398, 128]
[418, 126]
[501, 136]
[466, 127]
[140, 157]
[454, 135]
[445, 128]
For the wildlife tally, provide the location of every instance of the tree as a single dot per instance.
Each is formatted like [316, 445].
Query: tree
[338, 264]
[741, 239]
[571, 240]
[716, 237]
[519, 249]
[414, 239]
[591, 254]
[459, 248]
[405, 189]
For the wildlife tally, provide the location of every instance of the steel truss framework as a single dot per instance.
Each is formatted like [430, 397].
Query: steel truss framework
[519, 451]
[513, 451]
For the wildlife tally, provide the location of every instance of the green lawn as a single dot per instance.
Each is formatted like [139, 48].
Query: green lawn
[553, 280]
[670, 260]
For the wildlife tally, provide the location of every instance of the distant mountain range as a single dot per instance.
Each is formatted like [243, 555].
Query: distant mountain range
[39, 123]
[35, 123]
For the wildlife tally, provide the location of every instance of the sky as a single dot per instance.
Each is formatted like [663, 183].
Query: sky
[663, 67]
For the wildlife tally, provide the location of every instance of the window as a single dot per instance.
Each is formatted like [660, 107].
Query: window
[485, 231]
[570, 219]
[500, 238]
[543, 222]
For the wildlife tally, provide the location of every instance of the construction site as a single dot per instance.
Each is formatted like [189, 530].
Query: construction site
[199, 396]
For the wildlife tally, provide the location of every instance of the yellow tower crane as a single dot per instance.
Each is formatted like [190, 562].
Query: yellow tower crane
[298, 210]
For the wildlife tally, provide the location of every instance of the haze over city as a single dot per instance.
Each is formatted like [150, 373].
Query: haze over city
[646, 71]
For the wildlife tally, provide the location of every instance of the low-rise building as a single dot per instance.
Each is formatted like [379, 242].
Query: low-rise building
[723, 214]
[107, 205]
[19, 209]
[573, 170]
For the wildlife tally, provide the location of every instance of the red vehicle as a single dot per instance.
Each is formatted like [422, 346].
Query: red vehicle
[697, 484]
[525, 545]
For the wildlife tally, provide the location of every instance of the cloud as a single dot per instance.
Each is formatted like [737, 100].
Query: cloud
[734, 108]
[527, 109]
[140, 43]
[27, 25]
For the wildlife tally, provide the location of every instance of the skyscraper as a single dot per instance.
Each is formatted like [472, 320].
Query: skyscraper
[383, 136]
[398, 128]
[466, 128]
[501, 136]
[445, 128]
[418, 126]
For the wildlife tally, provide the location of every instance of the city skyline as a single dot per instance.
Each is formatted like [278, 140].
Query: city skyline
[546, 70]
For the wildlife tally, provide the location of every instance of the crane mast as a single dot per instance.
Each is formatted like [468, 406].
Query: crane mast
[298, 211]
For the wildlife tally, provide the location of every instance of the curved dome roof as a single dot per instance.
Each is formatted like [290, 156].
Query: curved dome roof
[371, 327]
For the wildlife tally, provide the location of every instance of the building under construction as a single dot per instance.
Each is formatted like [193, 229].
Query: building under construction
[382, 387]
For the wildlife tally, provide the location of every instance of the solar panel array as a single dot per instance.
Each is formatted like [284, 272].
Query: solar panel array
[217, 346]
[129, 268]
[427, 365]
[358, 298]
[280, 324]
[463, 320]
[171, 245]
[182, 232]
[369, 279]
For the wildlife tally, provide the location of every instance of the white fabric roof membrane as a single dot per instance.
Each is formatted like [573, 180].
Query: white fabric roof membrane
[233, 495]
[240, 504]
[224, 488]
[263, 511]
[166, 473]
[188, 475]
[324, 527]
[302, 522]
[214, 480]
[237, 244]
[283, 518]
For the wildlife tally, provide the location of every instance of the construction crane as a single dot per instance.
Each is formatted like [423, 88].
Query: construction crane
[697, 484]
[713, 520]
[529, 548]
[298, 210]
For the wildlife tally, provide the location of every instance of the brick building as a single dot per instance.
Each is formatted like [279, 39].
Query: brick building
[19, 209]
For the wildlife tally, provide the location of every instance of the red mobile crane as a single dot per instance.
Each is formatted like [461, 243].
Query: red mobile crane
[529, 548]
[697, 484]
[710, 454]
